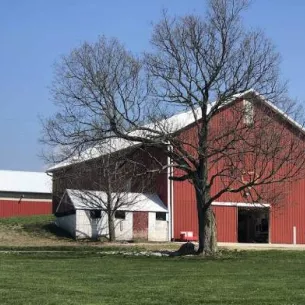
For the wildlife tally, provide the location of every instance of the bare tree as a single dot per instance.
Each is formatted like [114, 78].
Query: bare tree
[208, 67]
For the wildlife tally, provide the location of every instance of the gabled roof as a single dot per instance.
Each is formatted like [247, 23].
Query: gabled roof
[92, 200]
[171, 125]
[25, 182]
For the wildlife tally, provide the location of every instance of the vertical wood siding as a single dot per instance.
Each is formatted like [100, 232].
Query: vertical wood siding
[226, 219]
[10, 208]
[71, 177]
[287, 212]
[185, 214]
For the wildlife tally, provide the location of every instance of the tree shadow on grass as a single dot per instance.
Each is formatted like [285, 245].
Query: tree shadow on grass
[51, 231]
[189, 249]
[185, 249]
[47, 230]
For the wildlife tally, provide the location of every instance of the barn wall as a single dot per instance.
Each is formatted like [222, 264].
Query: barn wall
[87, 175]
[287, 210]
[11, 207]
[157, 229]
[185, 215]
[185, 211]
[162, 187]
[160, 179]
[226, 219]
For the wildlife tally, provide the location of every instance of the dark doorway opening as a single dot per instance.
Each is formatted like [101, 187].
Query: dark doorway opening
[253, 225]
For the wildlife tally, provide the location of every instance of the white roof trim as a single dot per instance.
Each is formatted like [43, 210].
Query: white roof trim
[276, 109]
[242, 204]
[92, 200]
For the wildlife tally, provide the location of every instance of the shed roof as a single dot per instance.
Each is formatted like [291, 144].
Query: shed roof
[27, 182]
[92, 200]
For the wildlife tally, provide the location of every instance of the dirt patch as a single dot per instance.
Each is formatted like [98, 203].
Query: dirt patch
[42, 232]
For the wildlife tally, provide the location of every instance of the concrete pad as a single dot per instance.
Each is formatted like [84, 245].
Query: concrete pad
[256, 246]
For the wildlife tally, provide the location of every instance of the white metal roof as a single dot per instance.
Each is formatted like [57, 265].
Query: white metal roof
[27, 182]
[172, 124]
[91, 200]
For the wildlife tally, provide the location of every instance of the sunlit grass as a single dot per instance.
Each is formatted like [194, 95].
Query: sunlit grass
[267, 277]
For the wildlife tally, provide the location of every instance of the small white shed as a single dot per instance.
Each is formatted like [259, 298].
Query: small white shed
[146, 218]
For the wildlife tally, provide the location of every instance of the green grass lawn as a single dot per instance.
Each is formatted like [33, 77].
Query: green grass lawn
[268, 277]
[34, 224]
[20, 221]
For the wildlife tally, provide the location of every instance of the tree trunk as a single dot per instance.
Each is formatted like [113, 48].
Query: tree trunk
[207, 230]
[111, 227]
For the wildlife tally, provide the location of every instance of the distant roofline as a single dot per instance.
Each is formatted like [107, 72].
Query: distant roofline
[25, 182]
[21, 171]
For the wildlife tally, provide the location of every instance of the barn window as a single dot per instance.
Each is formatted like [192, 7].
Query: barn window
[120, 215]
[94, 214]
[161, 216]
[248, 113]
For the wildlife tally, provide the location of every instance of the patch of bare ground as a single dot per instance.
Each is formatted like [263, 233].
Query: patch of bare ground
[40, 231]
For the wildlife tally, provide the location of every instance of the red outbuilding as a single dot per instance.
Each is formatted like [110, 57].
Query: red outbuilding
[25, 193]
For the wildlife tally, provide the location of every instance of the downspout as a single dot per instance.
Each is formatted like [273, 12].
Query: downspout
[170, 193]
[172, 202]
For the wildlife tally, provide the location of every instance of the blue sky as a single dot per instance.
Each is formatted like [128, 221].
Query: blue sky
[35, 33]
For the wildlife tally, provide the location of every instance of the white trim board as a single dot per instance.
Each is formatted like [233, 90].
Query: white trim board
[169, 203]
[21, 199]
[242, 204]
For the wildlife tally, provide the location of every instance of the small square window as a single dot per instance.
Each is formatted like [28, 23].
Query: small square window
[120, 215]
[161, 216]
[94, 214]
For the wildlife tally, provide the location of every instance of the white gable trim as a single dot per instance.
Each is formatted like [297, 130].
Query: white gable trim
[21, 199]
[242, 204]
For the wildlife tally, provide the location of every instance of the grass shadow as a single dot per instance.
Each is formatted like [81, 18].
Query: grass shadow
[48, 230]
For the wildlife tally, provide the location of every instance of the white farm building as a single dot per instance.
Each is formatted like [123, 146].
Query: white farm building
[80, 214]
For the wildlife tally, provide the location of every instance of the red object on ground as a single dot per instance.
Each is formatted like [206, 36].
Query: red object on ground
[186, 236]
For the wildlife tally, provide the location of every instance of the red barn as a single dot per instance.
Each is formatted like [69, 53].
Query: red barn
[24, 193]
[237, 219]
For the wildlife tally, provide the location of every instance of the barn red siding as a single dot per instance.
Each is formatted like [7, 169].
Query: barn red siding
[285, 213]
[140, 225]
[226, 219]
[185, 214]
[10, 208]
[288, 213]
[161, 187]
